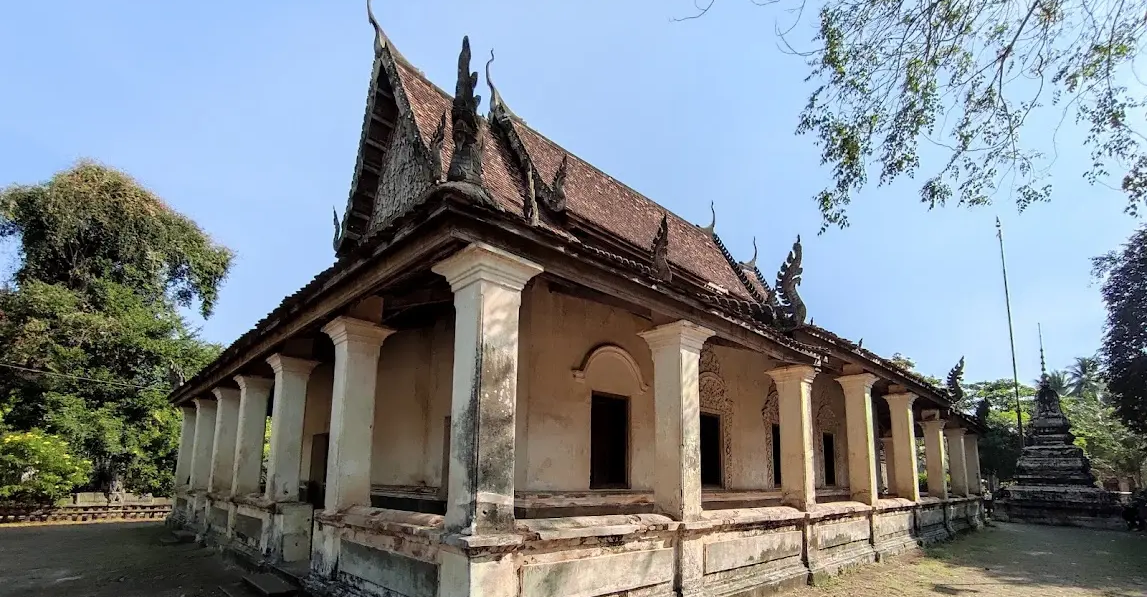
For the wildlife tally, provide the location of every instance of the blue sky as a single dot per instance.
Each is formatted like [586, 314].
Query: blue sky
[246, 115]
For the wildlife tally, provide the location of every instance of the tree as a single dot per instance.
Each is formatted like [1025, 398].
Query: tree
[1060, 381]
[92, 319]
[36, 468]
[996, 409]
[1114, 450]
[957, 82]
[1123, 352]
[1084, 376]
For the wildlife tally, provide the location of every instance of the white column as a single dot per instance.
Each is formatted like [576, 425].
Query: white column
[676, 349]
[903, 446]
[934, 458]
[794, 395]
[186, 445]
[972, 459]
[223, 444]
[204, 437]
[957, 464]
[487, 284]
[861, 444]
[357, 345]
[253, 394]
[290, 402]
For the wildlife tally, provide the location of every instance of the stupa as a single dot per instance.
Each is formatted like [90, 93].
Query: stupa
[1054, 484]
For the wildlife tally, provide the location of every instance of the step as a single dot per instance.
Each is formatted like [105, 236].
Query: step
[269, 585]
[236, 589]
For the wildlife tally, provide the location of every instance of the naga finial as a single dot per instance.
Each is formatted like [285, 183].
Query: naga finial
[379, 37]
[712, 227]
[556, 199]
[860, 343]
[955, 381]
[498, 107]
[466, 162]
[660, 251]
[338, 228]
[752, 263]
[788, 279]
[436, 143]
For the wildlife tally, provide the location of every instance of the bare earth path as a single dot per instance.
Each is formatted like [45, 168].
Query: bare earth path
[1009, 560]
[128, 560]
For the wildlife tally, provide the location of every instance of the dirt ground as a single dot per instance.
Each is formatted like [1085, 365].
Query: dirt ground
[1007, 560]
[105, 560]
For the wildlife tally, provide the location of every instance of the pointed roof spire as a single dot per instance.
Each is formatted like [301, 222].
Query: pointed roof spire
[712, 227]
[1042, 363]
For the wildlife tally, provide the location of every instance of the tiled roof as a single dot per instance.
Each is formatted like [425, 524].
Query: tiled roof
[591, 195]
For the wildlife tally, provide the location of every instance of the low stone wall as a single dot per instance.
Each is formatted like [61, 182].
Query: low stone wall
[159, 509]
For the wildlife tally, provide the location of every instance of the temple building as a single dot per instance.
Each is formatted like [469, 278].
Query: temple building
[522, 378]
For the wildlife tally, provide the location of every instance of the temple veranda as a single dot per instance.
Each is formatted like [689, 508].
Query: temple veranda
[522, 378]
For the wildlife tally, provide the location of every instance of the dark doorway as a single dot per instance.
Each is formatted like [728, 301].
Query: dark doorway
[829, 442]
[316, 487]
[711, 451]
[609, 442]
[776, 455]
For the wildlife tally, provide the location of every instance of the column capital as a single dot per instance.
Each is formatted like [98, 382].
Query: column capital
[679, 333]
[204, 402]
[859, 381]
[933, 424]
[801, 373]
[955, 432]
[222, 394]
[281, 362]
[900, 400]
[188, 408]
[343, 330]
[480, 261]
[254, 383]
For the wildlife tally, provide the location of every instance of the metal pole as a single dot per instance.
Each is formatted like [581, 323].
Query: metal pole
[1011, 334]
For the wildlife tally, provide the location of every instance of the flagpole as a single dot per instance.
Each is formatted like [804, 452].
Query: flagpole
[1011, 334]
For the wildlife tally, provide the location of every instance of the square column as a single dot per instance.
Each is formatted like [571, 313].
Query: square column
[972, 460]
[202, 444]
[253, 394]
[903, 478]
[357, 344]
[676, 349]
[223, 444]
[186, 445]
[290, 400]
[487, 284]
[862, 478]
[794, 397]
[934, 457]
[957, 464]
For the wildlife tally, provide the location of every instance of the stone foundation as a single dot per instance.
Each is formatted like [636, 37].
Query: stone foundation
[1078, 506]
[734, 552]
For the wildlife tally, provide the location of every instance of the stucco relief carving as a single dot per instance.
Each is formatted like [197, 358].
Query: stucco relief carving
[715, 400]
[770, 414]
[610, 351]
[825, 420]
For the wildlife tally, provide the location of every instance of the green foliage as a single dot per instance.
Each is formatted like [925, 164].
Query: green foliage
[966, 79]
[1114, 450]
[106, 266]
[1123, 352]
[996, 409]
[37, 468]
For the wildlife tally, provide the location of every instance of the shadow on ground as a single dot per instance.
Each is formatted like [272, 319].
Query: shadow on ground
[1010, 560]
[105, 560]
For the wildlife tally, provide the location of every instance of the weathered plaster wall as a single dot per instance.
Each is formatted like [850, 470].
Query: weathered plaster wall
[316, 414]
[561, 334]
[412, 401]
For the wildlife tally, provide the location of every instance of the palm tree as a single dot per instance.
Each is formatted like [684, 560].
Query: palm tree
[1085, 378]
[1059, 381]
